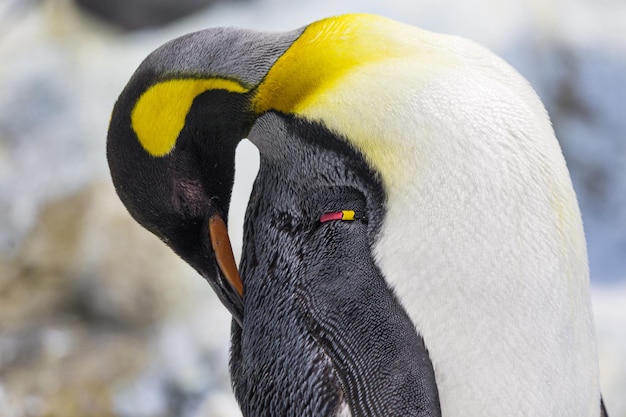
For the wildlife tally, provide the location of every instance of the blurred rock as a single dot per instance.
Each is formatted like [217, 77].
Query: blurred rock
[97, 313]
[139, 14]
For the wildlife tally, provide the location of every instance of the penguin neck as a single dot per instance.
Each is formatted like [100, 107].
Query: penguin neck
[320, 322]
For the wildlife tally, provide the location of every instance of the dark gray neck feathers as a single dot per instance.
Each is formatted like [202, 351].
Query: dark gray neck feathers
[321, 327]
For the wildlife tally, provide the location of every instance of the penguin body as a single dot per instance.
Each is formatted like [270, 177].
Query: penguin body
[461, 287]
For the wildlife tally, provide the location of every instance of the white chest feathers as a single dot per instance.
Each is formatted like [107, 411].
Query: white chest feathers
[484, 246]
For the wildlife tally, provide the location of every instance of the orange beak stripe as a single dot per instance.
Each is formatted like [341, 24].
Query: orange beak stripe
[224, 252]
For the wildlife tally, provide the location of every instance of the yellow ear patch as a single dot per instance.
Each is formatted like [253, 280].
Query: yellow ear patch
[159, 114]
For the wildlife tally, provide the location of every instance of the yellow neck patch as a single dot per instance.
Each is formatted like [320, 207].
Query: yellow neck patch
[159, 114]
[356, 74]
[317, 60]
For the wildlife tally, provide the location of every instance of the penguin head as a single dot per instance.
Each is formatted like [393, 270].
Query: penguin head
[172, 139]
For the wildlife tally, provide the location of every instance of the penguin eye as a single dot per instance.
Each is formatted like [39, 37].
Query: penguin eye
[183, 206]
[189, 198]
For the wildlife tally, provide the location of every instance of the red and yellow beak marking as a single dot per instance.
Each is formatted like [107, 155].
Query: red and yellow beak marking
[338, 215]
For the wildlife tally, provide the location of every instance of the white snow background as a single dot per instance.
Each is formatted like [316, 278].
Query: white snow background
[573, 52]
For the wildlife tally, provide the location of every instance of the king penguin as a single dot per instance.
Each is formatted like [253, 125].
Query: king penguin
[412, 243]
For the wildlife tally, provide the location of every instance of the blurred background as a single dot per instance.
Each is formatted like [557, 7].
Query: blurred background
[98, 318]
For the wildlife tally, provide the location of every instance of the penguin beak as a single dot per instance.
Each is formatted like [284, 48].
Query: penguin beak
[228, 285]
